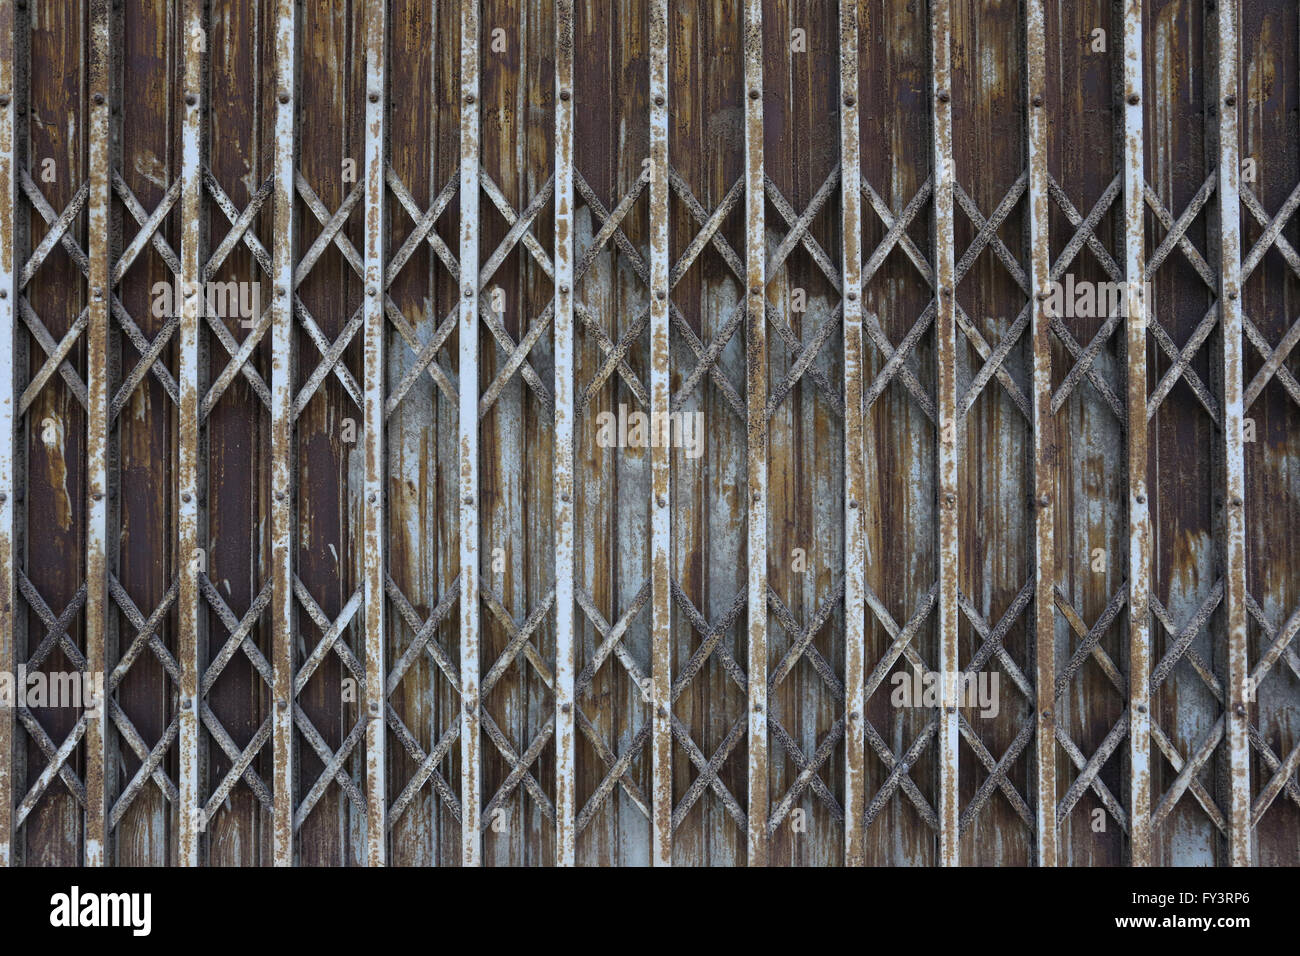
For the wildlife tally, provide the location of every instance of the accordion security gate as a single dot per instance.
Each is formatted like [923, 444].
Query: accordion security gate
[528, 433]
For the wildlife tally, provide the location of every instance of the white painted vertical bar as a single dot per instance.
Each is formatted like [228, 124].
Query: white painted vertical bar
[949, 424]
[97, 438]
[374, 322]
[756, 402]
[1139, 541]
[471, 769]
[855, 466]
[1239, 696]
[282, 372]
[565, 652]
[8, 407]
[190, 821]
[1044, 442]
[661, 810]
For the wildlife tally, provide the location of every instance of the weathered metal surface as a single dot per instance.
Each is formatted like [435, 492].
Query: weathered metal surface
[381, 588]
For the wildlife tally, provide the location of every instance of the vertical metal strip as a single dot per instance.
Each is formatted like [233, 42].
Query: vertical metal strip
[855, 466]
[471, 769]
[1044, 443]
[190, 823]
[8, 407]
[1239, 842]
[1139, 541]
[97, 478]
[756, 426]
[660, 461]
[282, 370]
[948, 424]
[565, 660]
[374, 319]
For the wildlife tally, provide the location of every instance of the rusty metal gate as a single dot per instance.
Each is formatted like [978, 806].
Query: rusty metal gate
[445, 432]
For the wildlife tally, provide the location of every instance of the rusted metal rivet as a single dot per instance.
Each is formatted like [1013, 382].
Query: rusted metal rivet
[98, 496]
[853, 504]
[469, 291]
[372, 497]
[1044, 501]
[1240, 710]
[1038, 101]
[284, 96]
[565, 95]
[849, 101]
[946, 292]
[755, 290]
[371, 291]
[4, 293]
[1042, 297]
[661, 295]
[852, 297]
[279, 496]
[191, 99]
[186, 704]
[4, 99]
[185, 497]
[1134, 99]
[661, 501]
[1141, 499]
[564, 496]
[3, 498]
[282, 703]
[374, 97]
[754, 94]
[374, 706]
[99, 99]
[950, 499]
[758, 708]
[469, 97]
[98, 293]
[1229, 101]
[279, 291]
[468, 500]
[943, 96]
[662, 711]
[566, 708]
[1142, 708]
[659, 101]
[1232, 294]
[950, 709]
[564, 290]
[1236, 502]
[1046, 715]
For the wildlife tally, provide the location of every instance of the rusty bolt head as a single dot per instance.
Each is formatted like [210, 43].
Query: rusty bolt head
[1141, 499]
[565, 95]
[1240, 710]
[191, 99]
[1043, 501]
[469, 97]
[855, 716]
[1046, 715]
[372, 497]
[374, 706]
[1236, 502]
[279, 291]
[754, 94]
[4, 99]
[853, 504]
[566, 708]
[284, 96]
[99, 99]
[279, 496]
[467, 500]
[185, 497]
[1038, 101]
[1142, 708]
[3, 498]
[282, 704]
[852, 297]
[373, 97]
[755, 290]
[1229, 101]
[758, 708]
[564, 290]
[98, 496]
[943, 96]
[4, 293]
[661, 501]
[469, 291]
[662, 711]
[661, 295]
[950, 709]
[97, 293]
[1134, 99]
[946, 292]
[659, 101]
[950, 499]
[1232, 294]
[564, 496]
[371, 291]
[187, 704]
[849, 101]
